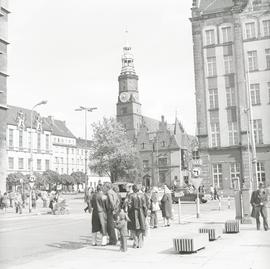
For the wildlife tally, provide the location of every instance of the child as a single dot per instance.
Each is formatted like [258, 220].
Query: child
[121, 225]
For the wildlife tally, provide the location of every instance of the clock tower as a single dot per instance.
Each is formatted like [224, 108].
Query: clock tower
[128, 105]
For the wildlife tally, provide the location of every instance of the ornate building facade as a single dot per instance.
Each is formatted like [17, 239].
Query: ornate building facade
[163, 147]
[231, 43]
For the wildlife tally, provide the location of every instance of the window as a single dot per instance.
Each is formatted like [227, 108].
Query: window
[163, 144]
[72, 151]
[20, 139]
[226, 34]
[250, 30]
[257, 129]
[124, 110]
[230, 96]
[260, 172]
[10, 138]
[233, 133]
[255, 94]
[29, 164]
[10, 163]
[195, 155]
[47, 142]
[162, 161]
[217, 175]
[211, 66]
[234, 172]
[215, 134]
[143, 145]
[213, 98]
[210, 37]
[266, 27]
[162, 177]
[20, 163]
[47, 164]
[252, 60]
[145, 164]
[228, 64]
[29, 139]
[267, 57]
[38, 140]
[38, 164]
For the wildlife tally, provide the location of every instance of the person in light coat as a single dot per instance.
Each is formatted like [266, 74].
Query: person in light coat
[166, 206]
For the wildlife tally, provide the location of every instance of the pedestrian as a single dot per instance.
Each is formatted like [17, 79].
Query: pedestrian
[259, 201]
[112, 208]
[166, 206]
[121, 225]
[216, 196]
[5, 202]
[154, 208]
[87, 199]
[98, 207]
[44, 197]
[11, 198]
[34, 199]
[137, 215]
[18, 202]
[212, 192]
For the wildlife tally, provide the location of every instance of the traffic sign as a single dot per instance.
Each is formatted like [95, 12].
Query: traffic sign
[196, 171]
[178, 194]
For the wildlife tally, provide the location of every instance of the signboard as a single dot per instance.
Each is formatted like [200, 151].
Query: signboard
[196, 182]
[178, 194]
[196, 171]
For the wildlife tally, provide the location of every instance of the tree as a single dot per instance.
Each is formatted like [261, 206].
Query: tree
[79, 178]
[113, 154]
[66, 180]
[13, 179]
[50, 178]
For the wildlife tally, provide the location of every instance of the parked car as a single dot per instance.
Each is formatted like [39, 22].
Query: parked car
[187, 194]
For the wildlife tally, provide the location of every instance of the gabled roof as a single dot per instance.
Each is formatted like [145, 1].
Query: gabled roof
[151, 124]
[212, 6]
[80, 143]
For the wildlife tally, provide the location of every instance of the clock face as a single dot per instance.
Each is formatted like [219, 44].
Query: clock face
[124, 97]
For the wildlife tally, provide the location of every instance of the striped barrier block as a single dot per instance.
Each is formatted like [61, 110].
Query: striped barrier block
[214, 232]
[190, 243]
[232, 226]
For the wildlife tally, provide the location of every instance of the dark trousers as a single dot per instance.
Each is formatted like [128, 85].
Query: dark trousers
[263, 213]
[123, 243]
[18, 208]
[154, 219]
[110, 228]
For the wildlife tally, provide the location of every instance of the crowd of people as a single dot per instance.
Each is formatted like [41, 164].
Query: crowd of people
[119, 219]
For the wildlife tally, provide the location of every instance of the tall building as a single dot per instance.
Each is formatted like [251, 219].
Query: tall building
[231, 45]
[162, 147]
[4, 11]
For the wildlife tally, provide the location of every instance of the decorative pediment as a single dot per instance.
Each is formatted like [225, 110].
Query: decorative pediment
[20, 119]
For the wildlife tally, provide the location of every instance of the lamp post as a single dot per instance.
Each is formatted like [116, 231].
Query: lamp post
[85, 109]
[32, 178]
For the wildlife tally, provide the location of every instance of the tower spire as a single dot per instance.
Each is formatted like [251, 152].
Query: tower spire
[127, 58]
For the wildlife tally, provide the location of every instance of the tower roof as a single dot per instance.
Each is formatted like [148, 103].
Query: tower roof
[127, 58]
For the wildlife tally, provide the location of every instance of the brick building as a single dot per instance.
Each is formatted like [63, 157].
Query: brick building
[231, 43]
[163, 147]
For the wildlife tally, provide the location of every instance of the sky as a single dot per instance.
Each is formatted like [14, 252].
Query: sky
[69, 53]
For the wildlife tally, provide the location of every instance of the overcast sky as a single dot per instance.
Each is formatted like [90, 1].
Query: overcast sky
[69, 53]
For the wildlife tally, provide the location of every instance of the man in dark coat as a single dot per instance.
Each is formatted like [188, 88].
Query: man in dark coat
[98, 206]
[259, 201]
[137, 215]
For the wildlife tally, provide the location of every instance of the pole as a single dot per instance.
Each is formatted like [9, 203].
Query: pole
[31, 158]
[198, 205]
[179, 210]
[85, 152]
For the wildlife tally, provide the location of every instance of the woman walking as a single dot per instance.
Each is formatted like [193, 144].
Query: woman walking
[166, 206]
[137, 215]
[98, 205]
[154, 207]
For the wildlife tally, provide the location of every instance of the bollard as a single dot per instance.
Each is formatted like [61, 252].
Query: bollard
[179, 210]
[229, 202]
[198, 206]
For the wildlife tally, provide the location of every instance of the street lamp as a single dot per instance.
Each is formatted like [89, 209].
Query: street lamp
[85, 109]
[32, 178]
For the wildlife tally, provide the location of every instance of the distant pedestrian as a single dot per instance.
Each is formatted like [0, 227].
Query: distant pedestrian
[34, 199]
[259, 202]
[18, 203]
[87, 199]
[154, 208]
[166, 206]
[11, 198]
[5, 202]
[216, 196]
[99, 205]
[212, 192]
[121, 225]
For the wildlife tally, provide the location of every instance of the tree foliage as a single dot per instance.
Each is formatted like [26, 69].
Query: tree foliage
[113, 154]
[13, 179]
[79, 177]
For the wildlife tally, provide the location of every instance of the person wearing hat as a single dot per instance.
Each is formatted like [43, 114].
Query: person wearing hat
[259, 201]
